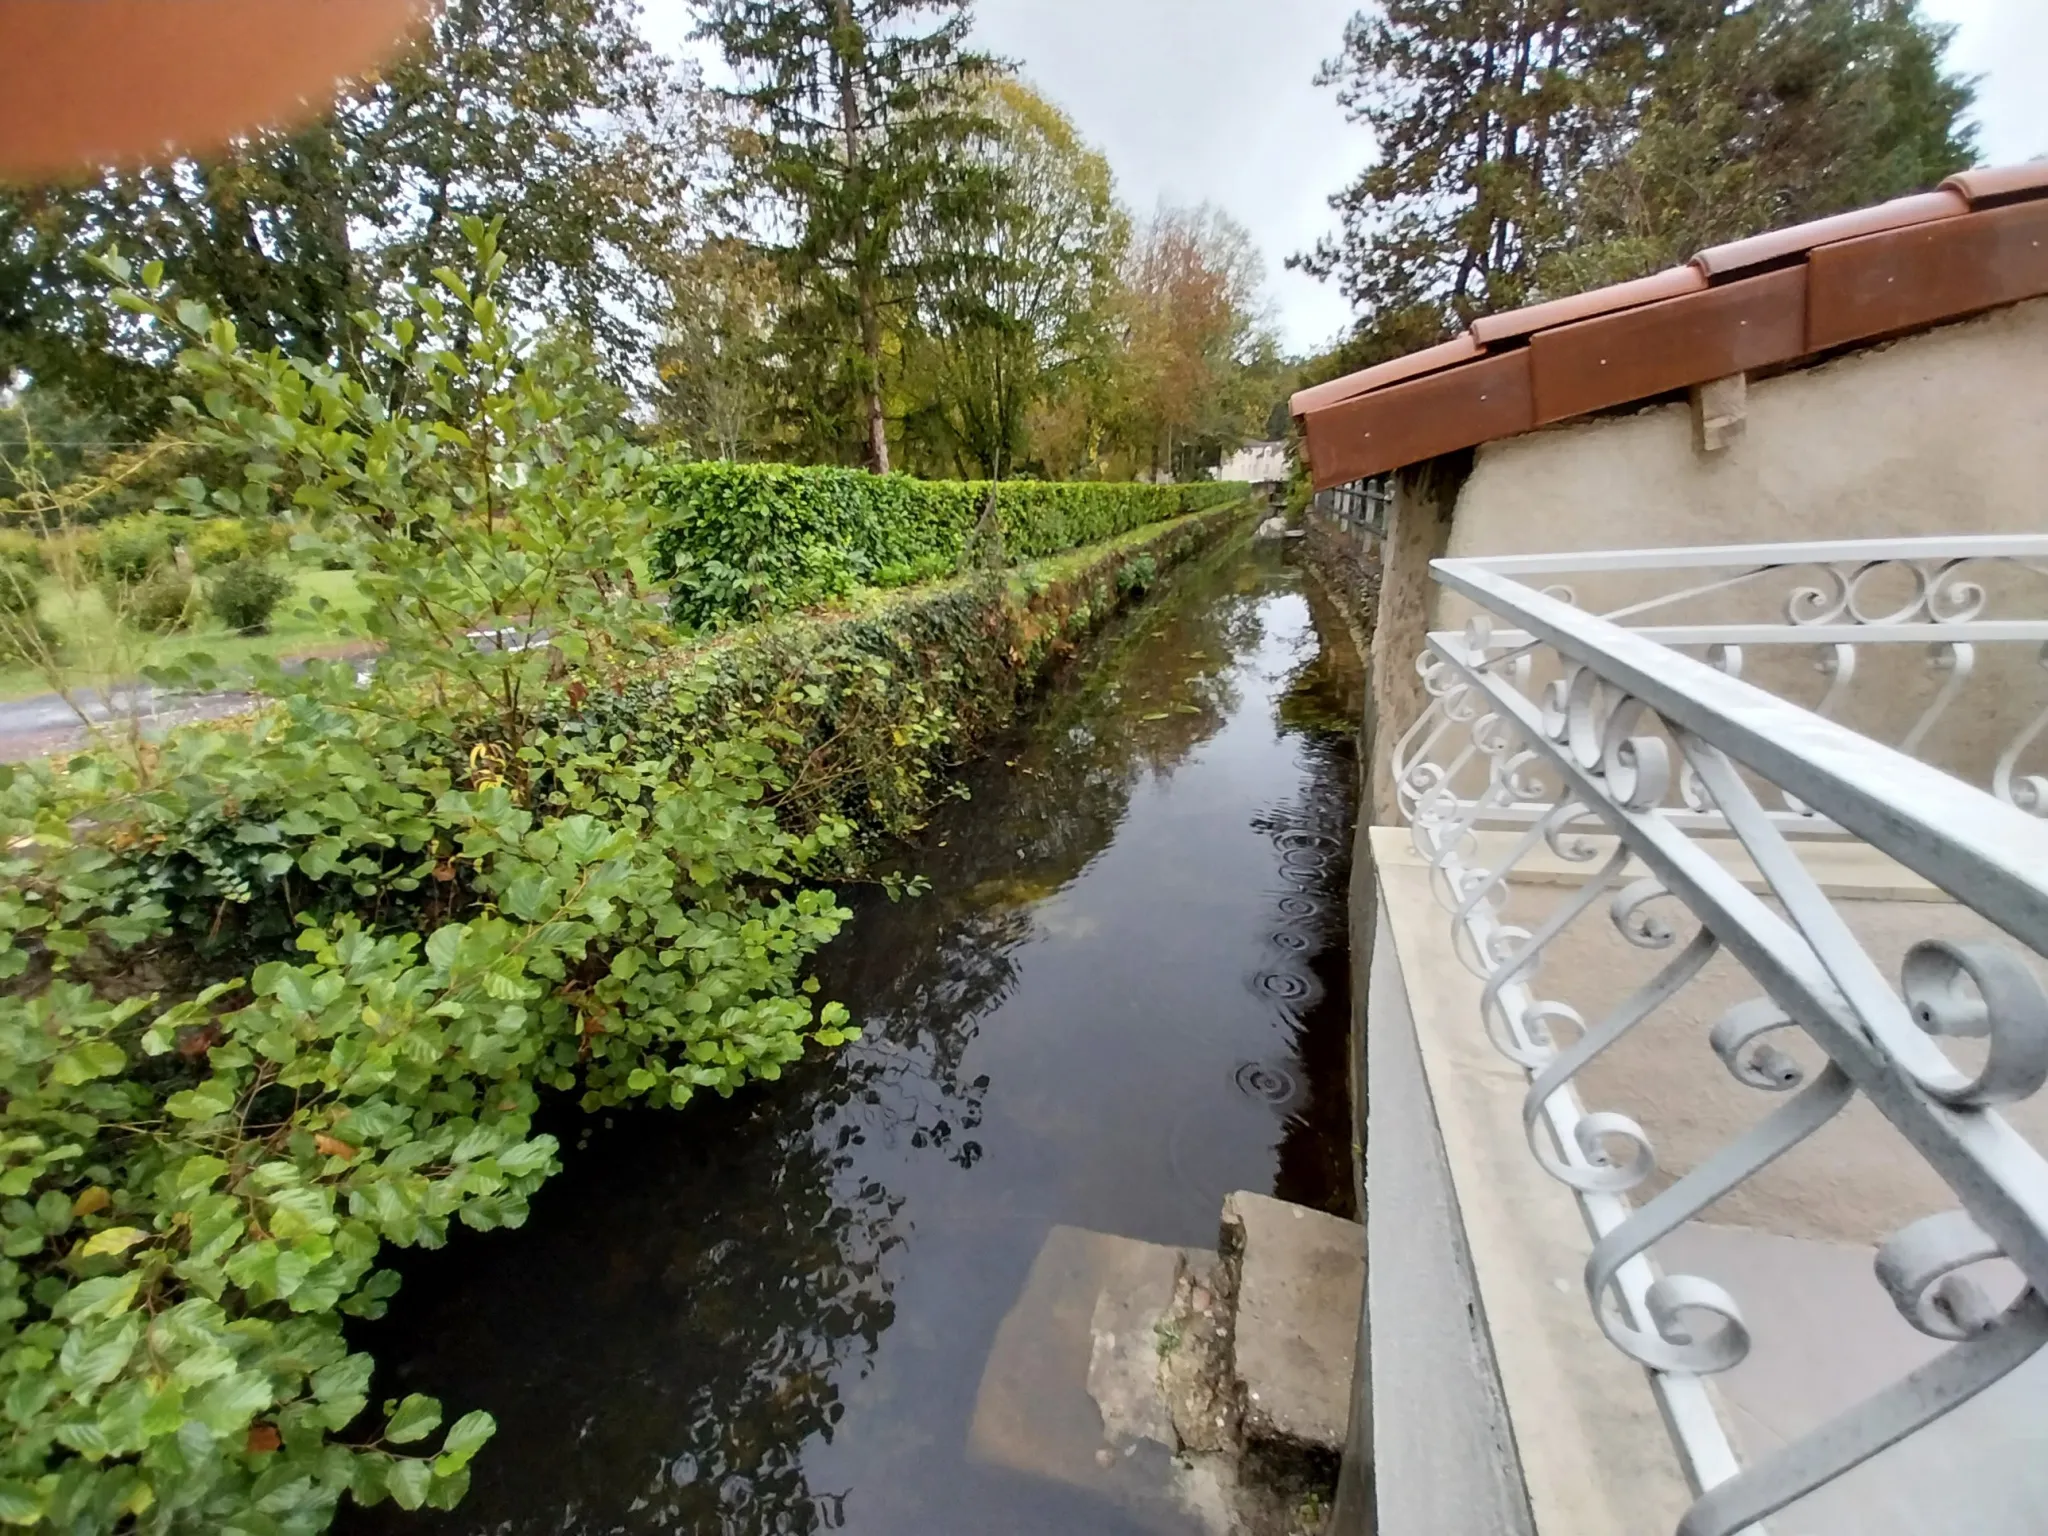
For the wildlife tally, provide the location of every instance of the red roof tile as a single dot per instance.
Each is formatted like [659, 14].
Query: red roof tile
[1981, 241]
[1996, 181]
[1459, 349]
[1491, 330]
[1640, 354]
[1760, 250]
[1907, 278]
[1407, 423]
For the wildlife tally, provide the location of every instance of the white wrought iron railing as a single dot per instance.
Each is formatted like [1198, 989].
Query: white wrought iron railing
[1554, 722]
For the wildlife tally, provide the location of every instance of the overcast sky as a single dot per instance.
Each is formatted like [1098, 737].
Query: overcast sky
[1214, 100]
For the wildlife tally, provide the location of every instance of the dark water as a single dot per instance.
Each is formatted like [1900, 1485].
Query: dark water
[1121, 1000]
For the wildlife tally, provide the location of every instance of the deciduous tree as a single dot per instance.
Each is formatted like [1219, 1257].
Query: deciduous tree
[1023, 291]
[717, 363]
[1196, 341]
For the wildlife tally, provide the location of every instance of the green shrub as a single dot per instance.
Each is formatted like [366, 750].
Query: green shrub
[77, 548]
[18, 546]
[24, 634]
[224, 540]
[19, 586]
[911, 573]
[128, 549]
[244, 594]
[375, 925]
[875, 706]
[739, 541]
[161, 602]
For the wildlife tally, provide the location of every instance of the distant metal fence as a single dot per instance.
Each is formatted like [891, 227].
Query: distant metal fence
[1361, 506]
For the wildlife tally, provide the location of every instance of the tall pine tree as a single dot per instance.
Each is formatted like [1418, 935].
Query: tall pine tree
[1020, 302]
[1533, 147]
[1482, 111]
[1763, 115]
[860, 117]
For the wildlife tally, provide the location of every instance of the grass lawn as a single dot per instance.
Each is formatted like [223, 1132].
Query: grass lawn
[97, 650]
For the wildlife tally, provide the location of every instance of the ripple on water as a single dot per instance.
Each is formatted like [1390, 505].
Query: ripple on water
[1284, 985]
[1291, 842]
[1264, 1081]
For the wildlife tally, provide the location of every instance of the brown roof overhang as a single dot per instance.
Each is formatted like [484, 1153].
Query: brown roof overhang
[1776, 299]
[1493, 330]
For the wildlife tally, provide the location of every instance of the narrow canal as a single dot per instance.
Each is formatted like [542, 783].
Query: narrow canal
[1122, 998]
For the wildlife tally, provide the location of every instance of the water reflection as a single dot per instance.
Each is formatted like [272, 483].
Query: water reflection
[1122, 998]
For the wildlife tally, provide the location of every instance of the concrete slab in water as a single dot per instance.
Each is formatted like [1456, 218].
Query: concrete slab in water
[1301, 1275]
[1072, 1388]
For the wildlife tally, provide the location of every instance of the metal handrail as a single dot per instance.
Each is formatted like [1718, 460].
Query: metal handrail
[1548, 718]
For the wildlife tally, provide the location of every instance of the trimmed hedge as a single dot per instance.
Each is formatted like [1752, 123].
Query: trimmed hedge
[866, 711]
[738, 542]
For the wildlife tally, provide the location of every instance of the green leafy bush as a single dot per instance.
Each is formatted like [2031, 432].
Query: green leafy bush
[20, 547]
[129, 549]
[222, 541]
[24, 634]
[737, 541]
[910, 573]
[282, 994]
[161, 602]
[245, 593]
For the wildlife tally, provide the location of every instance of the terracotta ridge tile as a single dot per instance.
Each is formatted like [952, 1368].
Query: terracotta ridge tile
[1672, 283]
[1459, 349]
[1720, 261]
[1984, 182]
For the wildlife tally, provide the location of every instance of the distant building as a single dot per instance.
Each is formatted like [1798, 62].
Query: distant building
[1257, 464]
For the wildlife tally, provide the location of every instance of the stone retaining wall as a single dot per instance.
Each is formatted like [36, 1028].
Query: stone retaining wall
[1348, 563]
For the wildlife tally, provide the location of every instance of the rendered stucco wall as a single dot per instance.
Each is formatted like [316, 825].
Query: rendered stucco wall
[1945, 432]
[1418, 531]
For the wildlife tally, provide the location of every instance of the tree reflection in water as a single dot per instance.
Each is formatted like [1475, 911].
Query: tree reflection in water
[677, 1339]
